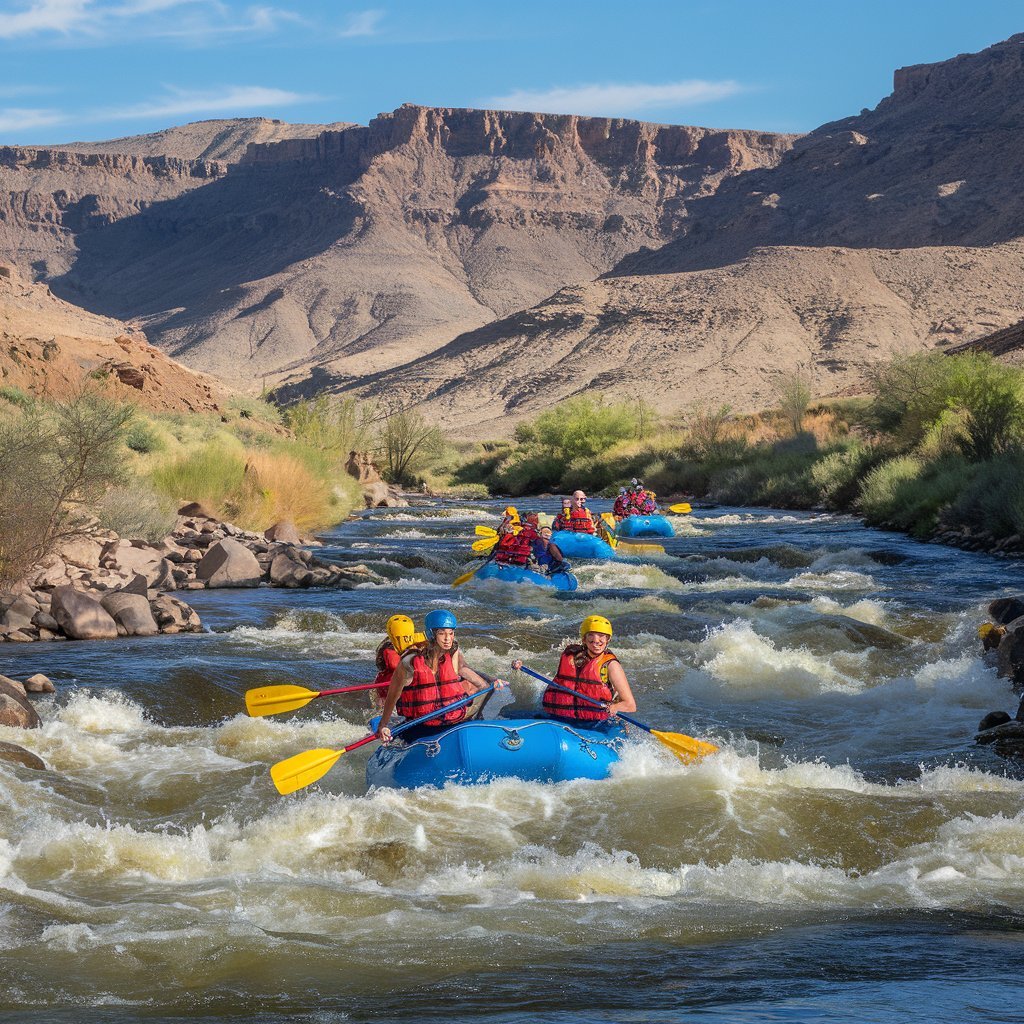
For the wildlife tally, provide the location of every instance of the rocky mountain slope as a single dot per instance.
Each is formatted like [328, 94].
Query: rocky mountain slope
[888, 232]
[224, 140]
[359, 249]
[47, 347]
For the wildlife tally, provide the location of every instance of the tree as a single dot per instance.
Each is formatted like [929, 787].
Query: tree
[408, 440]
[794, 396]
[54, 462]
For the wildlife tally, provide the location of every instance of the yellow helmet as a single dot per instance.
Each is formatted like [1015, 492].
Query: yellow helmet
[595, 624]
[513, 513]
[401, 631]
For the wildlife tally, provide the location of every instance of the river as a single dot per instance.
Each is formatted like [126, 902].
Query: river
[849, 855]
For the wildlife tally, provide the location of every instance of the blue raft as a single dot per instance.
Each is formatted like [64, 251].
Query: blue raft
[581, 545]
[532, 749]
[645, 526]
[517, 574]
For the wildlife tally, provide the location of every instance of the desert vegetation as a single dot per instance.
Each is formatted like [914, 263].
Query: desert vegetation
[935, 445]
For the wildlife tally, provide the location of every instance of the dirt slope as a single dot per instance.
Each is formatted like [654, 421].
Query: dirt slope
[48, 347]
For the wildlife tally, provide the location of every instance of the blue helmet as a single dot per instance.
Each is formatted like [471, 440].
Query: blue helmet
[439, 618]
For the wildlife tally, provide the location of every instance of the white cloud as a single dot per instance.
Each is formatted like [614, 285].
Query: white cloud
[17, 119]
[92, 20]
[61, 16]
[362, 23]
[614, 99]
[236, 100]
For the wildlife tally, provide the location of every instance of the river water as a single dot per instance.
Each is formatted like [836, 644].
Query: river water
[849, 855]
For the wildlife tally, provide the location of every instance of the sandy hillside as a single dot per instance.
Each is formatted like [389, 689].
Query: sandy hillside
[48, 347]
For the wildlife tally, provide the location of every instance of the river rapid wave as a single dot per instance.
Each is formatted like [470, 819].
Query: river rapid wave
[154, 873]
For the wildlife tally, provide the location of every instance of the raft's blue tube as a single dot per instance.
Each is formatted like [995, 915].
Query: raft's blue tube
[532, 749]
[645, 526]
[581, 545]
[517, 574]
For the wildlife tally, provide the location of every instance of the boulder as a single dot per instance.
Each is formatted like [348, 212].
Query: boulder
[80, 617]
[39, 683]
[19, 755]
[229, 564]
[162, 576]
[174, 616]
[15, 710]
[286, 572]
[81, 551]
[1010, 654]
[381, 495]
[53, 571]
[284, 532]
[129, 558]
[132, 612]
[196, 510]
[19, 613]
[137, 585]
[44, 620]
[1005, 609]
[8, 681]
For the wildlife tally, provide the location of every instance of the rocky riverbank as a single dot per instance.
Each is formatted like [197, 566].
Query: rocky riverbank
[99, 586]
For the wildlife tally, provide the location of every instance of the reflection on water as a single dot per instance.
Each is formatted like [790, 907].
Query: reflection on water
[862, 858]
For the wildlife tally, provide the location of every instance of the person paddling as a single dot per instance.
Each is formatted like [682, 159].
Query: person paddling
[592, 670]
[430, 677]
[547, 554]
[575, 516]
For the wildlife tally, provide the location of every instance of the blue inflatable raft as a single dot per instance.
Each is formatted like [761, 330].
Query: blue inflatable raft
[581, 545]
[517, 574]
[645, 526]
[532, 749]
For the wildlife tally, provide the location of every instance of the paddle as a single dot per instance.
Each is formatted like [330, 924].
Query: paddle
[486, 531]
[275, 700]
[485, 543]
[629, 546]
[304, 769]
[681, 509]
[686, 748]
[466, 576]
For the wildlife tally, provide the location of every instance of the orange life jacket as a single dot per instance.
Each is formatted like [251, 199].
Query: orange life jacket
[579, 521]
[427, 691]
[387, 661]
[591, 680]
[515, 549]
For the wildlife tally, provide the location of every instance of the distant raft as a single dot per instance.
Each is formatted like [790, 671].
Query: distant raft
[519, 574]
[645, 526]
[581, 545]
[531, 749]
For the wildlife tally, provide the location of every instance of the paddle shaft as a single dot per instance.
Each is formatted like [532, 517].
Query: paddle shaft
[462, 702]
[589, 700]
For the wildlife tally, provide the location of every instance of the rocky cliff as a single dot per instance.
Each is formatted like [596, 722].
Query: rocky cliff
[359, 249]
[892, 231]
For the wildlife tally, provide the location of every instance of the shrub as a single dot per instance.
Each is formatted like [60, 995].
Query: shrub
[836, 475]
[887, 488]
[55, 460]
[210, 474]
[794, 398]
[584, 426]
[136, 511]
[408, 442]
[142, 438]
[993, 500]
[15, 396]
[249, 408]
[338, 425]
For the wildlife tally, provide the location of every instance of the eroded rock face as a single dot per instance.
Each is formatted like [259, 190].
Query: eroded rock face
[1010, 654]
[229, 564]
[81, 617]
[131, 611]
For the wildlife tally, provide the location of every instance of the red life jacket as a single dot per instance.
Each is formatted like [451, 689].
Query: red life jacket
[591, 681]
[580, 521]
[515, 549]
[387, 661]
[621, 508]
[427, 691]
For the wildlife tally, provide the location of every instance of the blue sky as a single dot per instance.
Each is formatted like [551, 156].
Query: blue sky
[96, 69]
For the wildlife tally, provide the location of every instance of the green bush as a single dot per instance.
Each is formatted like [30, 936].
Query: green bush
[993, 500]
[209, 474]
[584, 426]
[136, 511]
[911, 494]
[15, 396]
[836, 475]
[142, 438]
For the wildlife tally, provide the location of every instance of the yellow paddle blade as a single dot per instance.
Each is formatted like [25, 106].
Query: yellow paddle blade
[303, 769]
[627, 547]
[273, 700]
[486, 531]
[485, 543]
[682, 509]
[686, 748]
[459, 580]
